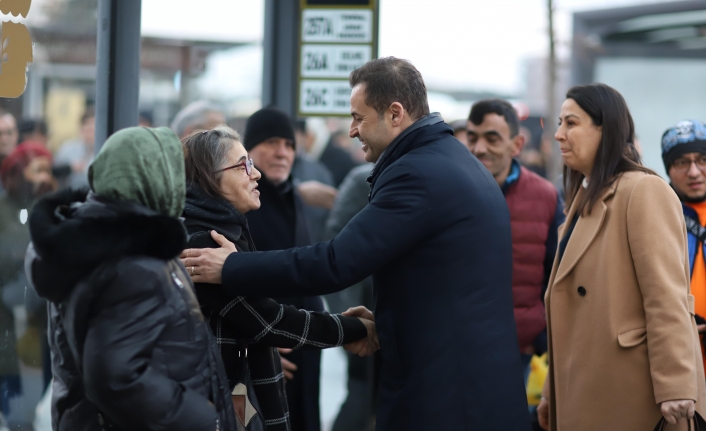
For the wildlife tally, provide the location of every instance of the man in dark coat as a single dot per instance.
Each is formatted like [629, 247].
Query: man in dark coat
[436, 238]
[281, 223]
[357, 412]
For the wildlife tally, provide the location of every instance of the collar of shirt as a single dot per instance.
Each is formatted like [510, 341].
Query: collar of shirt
[514, 175]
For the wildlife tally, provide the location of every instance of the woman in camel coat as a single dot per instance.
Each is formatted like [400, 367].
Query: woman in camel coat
[623, 344]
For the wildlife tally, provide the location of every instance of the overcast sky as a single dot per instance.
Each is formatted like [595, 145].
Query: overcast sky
[456, 44]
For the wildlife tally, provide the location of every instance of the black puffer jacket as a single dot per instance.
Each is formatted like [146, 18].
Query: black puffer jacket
[130, 347]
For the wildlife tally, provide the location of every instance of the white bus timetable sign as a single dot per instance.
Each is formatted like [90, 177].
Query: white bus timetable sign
[336, 37]
[337, 26]
[325, 97]
[332, 61]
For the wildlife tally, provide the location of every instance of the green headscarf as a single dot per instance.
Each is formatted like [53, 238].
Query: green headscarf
[142, 165]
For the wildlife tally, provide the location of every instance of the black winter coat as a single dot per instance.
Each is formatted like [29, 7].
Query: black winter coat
[258, 323]
[436, 238]
[130, 346]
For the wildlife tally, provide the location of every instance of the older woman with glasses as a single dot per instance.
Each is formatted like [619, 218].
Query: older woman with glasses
[221, 188]
[623, 345]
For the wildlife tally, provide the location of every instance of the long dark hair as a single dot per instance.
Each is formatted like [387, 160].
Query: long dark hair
[616, 152]
[205, 152]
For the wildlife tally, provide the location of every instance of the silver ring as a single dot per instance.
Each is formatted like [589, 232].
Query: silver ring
[192, 271]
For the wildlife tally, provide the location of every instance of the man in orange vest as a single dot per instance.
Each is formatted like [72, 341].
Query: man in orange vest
[684, 156]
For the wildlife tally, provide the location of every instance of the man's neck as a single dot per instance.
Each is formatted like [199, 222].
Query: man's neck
[686, 199]
[501, 178]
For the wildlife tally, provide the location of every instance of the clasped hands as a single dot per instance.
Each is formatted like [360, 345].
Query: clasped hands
[205, 266]
[370, 344]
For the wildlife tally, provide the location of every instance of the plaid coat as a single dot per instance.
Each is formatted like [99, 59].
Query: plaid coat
[258, 323]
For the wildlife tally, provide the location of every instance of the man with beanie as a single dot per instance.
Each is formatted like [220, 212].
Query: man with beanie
[684, 156]
[279, 224]
[130, 347]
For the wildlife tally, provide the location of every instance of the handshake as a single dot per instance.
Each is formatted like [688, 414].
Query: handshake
[370, 344]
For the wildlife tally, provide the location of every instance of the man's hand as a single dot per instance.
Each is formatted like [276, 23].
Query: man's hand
[368, 345]
[675, 410]
[204, 265]
[317, 194]
[288, 367]
[701, 328]
[543, 413]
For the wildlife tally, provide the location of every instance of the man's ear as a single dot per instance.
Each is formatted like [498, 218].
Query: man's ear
[518, 143]
[397, 114]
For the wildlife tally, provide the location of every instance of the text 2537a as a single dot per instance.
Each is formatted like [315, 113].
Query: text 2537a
[316, 97]
[319, 26]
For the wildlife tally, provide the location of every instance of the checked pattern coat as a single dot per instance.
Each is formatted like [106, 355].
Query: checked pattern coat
[259, 324]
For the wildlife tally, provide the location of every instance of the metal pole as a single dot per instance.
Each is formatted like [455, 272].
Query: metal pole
[117, 67]
[281, 48]
[551, 114]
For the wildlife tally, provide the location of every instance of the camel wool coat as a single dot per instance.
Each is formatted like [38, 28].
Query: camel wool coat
[622, 338]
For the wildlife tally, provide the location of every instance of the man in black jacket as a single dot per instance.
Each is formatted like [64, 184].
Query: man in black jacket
[436, 238]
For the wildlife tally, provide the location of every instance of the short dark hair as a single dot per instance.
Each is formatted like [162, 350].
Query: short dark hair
[616, 152]
[28, 126]
[388, 80]
[495, 106]
[205, 152]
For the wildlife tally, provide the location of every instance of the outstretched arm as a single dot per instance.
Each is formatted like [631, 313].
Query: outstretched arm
[265, 321]
[396, 219]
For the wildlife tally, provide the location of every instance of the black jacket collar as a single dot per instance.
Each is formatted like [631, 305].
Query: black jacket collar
[74, 231]
[417, 135]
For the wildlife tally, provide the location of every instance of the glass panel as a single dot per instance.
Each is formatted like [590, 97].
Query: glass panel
[675, 83]
[55, 43]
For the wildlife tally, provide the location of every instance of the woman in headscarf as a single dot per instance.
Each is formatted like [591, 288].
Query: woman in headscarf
[130, 347]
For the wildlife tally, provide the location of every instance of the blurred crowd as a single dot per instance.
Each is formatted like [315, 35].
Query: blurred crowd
[323, 158]
[311, 180]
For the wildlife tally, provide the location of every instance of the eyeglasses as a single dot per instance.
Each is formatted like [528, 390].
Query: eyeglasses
[683, 165]
[247, 163]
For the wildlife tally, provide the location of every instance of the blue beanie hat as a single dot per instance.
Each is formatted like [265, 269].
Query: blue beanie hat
[688, 136]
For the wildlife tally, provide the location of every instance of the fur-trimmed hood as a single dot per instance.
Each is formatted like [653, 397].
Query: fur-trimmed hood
[74, 231]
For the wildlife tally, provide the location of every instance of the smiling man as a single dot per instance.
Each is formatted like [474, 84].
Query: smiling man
[436, 238]
[684, 156]
[493, 132]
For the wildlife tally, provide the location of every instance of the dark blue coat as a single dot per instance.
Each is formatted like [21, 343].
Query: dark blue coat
[436, 238]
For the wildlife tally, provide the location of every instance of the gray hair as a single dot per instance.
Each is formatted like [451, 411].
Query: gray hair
[205, 153]
[193, 114]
